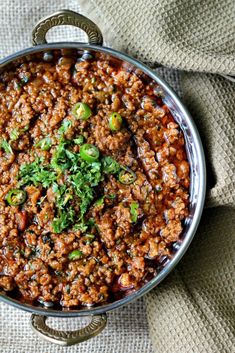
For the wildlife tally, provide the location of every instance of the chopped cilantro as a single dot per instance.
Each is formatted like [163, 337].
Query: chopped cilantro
[14, 134]
[111, 196]
[45, 144]
[6, 146]
[66, 124]
[77, 191]
[133, 210]
[100, 201]
[24, 80]
[75, 255]
[89, 238]
[110, 166]
[36, 173]
[79, 140]
[64, 219]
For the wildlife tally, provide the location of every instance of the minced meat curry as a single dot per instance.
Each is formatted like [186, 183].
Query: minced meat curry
[94, 181]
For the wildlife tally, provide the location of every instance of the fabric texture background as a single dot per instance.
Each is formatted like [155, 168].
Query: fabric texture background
[192, 311]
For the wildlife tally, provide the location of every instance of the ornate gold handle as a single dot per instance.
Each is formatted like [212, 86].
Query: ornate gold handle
[66, 17]
[68, 338]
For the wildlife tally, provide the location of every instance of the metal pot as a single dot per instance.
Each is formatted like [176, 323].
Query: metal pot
[195, 156]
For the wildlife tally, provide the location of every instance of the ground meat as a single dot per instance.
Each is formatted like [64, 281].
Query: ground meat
[125, 234]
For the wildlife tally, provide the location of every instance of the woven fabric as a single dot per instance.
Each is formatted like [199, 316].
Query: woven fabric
[126, 332]
[194, 35]
[212, 104]
[193, 310]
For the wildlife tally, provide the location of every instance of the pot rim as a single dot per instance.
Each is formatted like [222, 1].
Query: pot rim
[201, 189]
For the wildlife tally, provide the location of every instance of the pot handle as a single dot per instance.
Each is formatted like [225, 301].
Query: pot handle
[66, 17]
[68, 338]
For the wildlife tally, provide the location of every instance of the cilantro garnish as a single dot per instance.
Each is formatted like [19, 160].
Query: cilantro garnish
[66, 124]
[134, 211]
[74, 181]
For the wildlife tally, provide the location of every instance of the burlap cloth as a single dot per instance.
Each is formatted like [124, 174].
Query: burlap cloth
[192, 311]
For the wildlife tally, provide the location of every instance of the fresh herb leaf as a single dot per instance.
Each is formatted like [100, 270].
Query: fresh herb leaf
[24, 80]
[36, 173]
[111, 196]
[59, 159]
[81, 225]
[75, 255]
[64, 219]
[65, 213]
[66, 124]
[134, 211]
[79, 185]
[79, 140]
[110, 166]
[45, 144]
[89, 238]
[6, 146]
[14, 134]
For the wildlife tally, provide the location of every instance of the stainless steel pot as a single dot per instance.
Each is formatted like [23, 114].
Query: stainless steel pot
[195, 156]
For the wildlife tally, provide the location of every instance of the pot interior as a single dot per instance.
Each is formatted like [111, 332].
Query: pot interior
[193, 148]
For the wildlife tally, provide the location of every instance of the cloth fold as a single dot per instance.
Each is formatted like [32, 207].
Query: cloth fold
[196, 35]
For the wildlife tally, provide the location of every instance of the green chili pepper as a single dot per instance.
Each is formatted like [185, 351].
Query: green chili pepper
[115, 121]
[126, 176]
[110, 166]
[16, 197]
[81, 111]
[89, 153]
[44, 144]
[75, 255]
[99, 202]
[89, 238]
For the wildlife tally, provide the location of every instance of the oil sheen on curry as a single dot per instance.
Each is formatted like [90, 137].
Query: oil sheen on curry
[94, 182]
